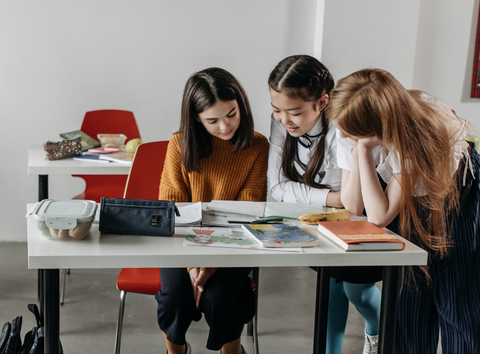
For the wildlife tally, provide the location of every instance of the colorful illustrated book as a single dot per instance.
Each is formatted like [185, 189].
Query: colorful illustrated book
[219, 237]
[360, 236]
[226, 237]
[87, 141]
[281, 235]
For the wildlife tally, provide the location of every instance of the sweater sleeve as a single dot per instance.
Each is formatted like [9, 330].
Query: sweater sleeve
[255, 187]
[174, 185]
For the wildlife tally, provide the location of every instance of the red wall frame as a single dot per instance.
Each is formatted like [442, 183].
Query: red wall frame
[475, 92]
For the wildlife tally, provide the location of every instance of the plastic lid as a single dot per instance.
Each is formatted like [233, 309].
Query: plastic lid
[64, 213]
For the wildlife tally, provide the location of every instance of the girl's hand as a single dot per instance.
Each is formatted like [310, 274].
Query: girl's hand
[199, 279]
[352, 141]
[370, 141]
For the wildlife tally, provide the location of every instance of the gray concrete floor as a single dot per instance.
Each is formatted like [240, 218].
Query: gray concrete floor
[89, 315]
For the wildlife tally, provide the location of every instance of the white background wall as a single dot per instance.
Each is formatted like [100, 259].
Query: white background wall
[426, 44]
[60, 59]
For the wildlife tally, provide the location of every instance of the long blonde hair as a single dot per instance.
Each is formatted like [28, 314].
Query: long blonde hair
[413, 126]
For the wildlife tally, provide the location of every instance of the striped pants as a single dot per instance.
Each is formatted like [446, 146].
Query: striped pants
[451, 301]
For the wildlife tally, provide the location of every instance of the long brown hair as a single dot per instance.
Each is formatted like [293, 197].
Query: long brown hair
[412, 125]
[304, 77]
[202, 90]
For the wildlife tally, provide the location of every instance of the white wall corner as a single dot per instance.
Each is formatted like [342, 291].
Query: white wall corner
[319, 22]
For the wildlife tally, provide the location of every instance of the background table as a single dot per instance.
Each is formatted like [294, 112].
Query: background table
[38, 165]
[121, 251]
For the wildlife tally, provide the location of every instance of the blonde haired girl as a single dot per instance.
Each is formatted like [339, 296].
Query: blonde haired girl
[416, 144]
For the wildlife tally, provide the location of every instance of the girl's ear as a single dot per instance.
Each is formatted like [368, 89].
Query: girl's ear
[322, 102]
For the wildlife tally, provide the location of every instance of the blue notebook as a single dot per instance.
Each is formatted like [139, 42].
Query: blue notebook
[280, 235]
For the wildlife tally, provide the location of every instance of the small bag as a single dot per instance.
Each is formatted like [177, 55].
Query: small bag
[62, 149]
[10, 340]
[34, 339]
[137, 217]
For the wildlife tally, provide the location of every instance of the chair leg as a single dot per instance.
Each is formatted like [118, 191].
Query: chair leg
[118, 335]
[252, 325]
[255, 335]
[63, 280]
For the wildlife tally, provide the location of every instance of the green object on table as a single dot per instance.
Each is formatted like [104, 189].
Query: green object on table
[267, 219]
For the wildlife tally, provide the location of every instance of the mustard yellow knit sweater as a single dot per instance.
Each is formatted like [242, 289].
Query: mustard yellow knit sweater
[224, 176]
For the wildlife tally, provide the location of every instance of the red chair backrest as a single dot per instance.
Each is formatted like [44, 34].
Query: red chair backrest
[110, 121]
[144, 178]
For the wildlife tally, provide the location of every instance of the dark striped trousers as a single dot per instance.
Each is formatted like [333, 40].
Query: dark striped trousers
[451, 301]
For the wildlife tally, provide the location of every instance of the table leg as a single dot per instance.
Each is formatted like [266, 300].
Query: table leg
[388, 314]
[42, 187]
[42, 194]
[321, 310]
[51, 296]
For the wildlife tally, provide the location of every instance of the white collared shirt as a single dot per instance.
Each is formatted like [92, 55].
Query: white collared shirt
[285, 190]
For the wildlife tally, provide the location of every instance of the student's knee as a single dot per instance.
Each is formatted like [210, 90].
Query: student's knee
[360, 293]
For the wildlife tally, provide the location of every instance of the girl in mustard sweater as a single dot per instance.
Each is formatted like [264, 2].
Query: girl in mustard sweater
[216, 155]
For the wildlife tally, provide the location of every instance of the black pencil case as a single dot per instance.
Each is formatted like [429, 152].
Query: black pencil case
[137, 217]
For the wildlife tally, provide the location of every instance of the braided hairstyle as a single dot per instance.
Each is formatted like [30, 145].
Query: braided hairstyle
[303, 77]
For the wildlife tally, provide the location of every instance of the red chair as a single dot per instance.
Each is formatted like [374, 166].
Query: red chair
[108, 121]
[100, 122]
[143, 183]
[140, 185]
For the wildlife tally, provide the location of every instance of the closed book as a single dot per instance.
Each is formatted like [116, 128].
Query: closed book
[121, 157]
[360, 236]
[87, 141]
[280, 235]
[95, 158]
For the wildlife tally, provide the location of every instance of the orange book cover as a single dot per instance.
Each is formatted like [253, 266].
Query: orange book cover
[360, 235]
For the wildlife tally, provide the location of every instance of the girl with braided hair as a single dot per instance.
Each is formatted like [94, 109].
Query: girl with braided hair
[302, 168]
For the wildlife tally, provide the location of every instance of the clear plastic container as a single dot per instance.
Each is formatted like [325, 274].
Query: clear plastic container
[115, 141]
[64, 218]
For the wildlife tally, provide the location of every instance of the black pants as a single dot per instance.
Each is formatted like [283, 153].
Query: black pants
[227, 302]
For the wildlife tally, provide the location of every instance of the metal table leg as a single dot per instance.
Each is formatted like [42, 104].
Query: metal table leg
[42, 194]
[321, 310]
[388, 314]
[52, 310]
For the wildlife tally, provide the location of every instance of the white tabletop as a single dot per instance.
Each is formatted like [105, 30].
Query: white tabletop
[38, 165]
[122, 251]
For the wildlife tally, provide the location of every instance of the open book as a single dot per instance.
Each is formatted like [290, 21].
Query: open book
[231, 212]
[265, 209]
[195, 215]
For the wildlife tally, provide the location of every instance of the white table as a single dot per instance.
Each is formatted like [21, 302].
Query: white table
[38, 165]
[120, 251]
